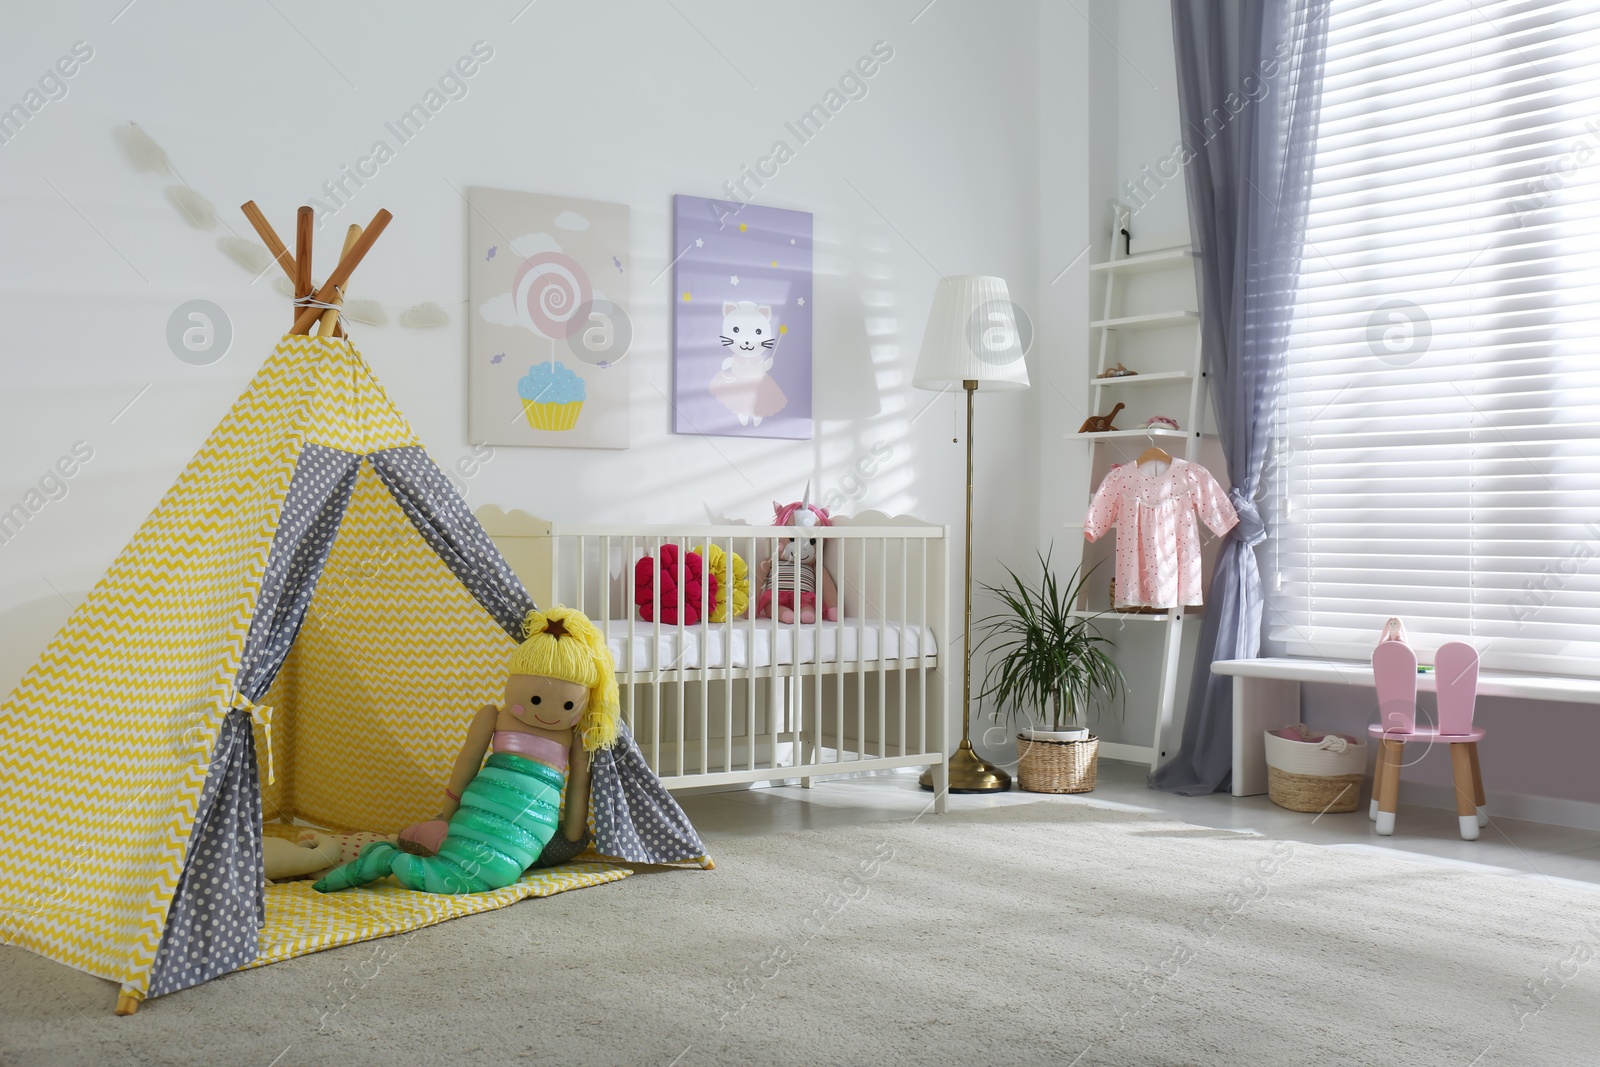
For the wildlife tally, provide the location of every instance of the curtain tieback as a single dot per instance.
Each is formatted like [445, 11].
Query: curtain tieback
[1251, 530]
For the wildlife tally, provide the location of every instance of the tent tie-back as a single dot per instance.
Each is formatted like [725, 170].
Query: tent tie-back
[261, 715]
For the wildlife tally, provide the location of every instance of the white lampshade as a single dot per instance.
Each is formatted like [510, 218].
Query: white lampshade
[973, 334]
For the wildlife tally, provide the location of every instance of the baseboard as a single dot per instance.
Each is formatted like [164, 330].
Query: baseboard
[1557, 811]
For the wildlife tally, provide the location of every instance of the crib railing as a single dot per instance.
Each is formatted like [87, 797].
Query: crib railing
[744, 698]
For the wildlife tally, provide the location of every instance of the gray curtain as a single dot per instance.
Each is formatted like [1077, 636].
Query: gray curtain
[1249, 90]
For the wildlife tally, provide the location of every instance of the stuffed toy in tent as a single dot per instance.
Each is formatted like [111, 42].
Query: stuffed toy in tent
[502, 816]
[295, 637]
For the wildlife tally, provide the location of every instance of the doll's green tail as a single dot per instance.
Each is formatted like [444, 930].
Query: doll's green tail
[508, 814]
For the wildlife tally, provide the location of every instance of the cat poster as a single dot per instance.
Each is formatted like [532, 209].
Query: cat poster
[548, 279]
[741, 354]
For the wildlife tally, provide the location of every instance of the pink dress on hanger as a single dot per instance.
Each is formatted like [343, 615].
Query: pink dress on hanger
[1158, 516]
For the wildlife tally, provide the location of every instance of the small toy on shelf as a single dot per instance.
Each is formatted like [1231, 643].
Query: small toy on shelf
[1119, 371]
[1100, 423]
[1160, 422]
[792, 579]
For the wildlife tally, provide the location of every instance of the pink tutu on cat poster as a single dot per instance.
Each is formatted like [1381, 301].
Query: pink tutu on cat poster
[747, 399]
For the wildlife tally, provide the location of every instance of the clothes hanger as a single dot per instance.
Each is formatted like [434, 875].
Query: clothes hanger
[1154, 454]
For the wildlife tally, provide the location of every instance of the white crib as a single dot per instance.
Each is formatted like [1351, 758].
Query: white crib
[750, 699]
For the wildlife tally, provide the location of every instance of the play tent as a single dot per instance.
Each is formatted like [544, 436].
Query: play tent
[301, 630]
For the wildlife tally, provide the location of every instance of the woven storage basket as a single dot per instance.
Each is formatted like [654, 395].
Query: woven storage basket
[1057, 766]
[1304, 776]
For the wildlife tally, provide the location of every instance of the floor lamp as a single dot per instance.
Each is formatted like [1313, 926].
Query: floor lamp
[972, 342]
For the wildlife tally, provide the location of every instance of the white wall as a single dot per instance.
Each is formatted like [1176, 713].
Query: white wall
[1147, 120]
[936, 171]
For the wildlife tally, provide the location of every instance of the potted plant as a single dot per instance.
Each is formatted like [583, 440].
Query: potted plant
[1047, 665]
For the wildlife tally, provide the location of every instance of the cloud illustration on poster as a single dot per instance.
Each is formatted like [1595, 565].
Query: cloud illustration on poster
[500, 311]
[571, 220]
[531, 244]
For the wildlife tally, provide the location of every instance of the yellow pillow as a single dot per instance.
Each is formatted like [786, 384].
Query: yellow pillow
[717, 562]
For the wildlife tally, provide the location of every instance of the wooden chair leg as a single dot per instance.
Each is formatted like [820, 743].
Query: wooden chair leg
[1477, 783]
[1466, 798]
[1377, 785]
[1389, 800]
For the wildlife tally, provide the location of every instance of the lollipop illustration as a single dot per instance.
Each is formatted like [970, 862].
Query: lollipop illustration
[547, 292]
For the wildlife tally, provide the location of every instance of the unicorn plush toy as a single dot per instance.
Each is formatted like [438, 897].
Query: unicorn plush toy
[791, 580]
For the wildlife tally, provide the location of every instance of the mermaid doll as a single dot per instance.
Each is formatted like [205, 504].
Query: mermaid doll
[531, 797]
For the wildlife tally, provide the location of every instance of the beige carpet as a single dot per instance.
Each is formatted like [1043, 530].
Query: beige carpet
[1048, 933]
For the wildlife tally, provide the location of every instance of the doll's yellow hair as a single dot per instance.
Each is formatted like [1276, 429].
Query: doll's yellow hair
[575, 653]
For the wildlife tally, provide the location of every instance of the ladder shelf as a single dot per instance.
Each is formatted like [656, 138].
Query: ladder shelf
[1185, 384]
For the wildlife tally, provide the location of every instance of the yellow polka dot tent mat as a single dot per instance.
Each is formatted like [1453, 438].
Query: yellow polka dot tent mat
[300, 631]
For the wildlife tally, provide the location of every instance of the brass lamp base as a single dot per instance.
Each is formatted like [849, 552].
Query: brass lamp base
[970, 774]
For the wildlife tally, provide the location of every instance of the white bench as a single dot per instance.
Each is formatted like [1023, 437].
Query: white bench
[1266, 695]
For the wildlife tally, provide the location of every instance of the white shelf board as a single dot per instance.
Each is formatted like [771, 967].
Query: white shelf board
[1154, 431]
[1127, 753]
[1109, 616]
[1154, 321]
[1145, 379]
[1144, 262]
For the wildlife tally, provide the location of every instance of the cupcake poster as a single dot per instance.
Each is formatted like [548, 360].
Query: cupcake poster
[741, 356]
[548, 281]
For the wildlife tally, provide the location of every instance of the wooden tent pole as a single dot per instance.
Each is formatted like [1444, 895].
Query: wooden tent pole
[330, 316]
[341, 274]
[269, 237]
[305, 222]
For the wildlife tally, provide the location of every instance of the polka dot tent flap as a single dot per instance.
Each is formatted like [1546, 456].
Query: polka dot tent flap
[301, 628]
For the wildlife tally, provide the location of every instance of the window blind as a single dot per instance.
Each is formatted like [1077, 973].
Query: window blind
[1436, 453]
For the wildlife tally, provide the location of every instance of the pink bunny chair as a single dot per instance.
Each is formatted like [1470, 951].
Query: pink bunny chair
[1394, 668]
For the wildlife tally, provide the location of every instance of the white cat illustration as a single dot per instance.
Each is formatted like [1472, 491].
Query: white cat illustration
[742, 383]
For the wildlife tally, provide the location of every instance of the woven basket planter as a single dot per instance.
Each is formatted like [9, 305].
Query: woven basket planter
[1057, 766]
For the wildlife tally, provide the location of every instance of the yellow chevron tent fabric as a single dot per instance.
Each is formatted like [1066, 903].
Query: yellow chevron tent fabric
[384, 595]
[120, 732]
[301, 920]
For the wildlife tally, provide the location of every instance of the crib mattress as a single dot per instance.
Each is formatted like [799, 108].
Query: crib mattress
[883, 644]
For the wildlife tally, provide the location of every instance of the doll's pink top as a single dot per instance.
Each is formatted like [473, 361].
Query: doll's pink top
[1158, 516]
[531, 746]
